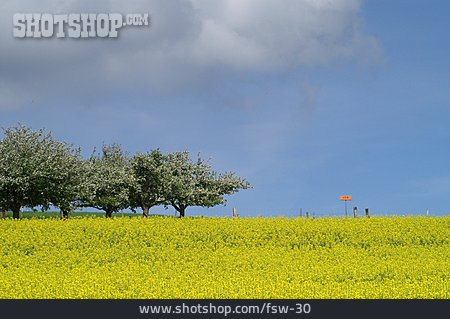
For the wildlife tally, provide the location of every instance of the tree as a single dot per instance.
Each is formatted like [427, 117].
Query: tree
[66, 181]
[150, 173]
[108, 180]
[34, 170]
[196, 184]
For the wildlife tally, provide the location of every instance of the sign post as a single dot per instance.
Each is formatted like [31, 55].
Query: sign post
[346, 198]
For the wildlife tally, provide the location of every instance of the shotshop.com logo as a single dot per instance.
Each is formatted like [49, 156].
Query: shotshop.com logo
[74, 25]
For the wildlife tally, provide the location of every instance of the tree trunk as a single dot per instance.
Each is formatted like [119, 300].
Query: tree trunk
[179, 208]
[109, 213]
[64, 214]
[16, 212]
[145, 210]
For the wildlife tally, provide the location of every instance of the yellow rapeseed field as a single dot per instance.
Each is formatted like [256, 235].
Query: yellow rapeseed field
[398, 257]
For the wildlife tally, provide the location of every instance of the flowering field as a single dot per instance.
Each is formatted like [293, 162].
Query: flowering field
[399, 257]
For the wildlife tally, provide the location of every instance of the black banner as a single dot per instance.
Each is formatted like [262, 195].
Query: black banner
[203, 308]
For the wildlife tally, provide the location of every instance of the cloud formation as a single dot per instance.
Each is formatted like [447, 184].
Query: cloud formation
[190, 43]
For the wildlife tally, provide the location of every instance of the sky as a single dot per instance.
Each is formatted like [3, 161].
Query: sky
[308, 100]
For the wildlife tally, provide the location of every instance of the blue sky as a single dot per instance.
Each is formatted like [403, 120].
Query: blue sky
[306, 100]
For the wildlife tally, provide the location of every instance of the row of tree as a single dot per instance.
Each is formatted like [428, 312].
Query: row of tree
[38, 170]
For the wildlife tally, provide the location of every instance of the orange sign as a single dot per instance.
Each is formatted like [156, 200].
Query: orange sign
[348, 197]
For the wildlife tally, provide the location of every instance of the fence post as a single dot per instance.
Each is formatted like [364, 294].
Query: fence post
[234, 212]
[367, 213]
[355, 212]
[301, 212]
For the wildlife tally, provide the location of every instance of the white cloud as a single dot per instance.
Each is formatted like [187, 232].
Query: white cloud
[189, 42]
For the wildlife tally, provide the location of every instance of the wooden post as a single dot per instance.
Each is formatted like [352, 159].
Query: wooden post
[301, 213]
[355, 212]
[428, 212]
[345, 208]
[234, 212]
[367, 213]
